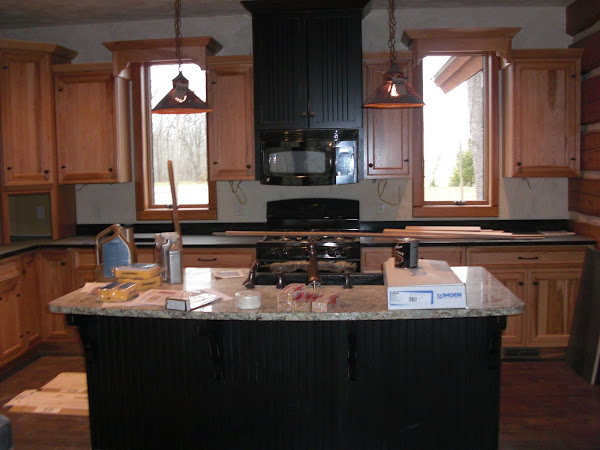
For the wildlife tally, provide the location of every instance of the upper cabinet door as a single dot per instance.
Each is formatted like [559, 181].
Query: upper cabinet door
[27, 118]
[280, 84]
[541, 115]
[307, 69]
[388, 132]
[230, 125]
[92, 124]
[334, 69]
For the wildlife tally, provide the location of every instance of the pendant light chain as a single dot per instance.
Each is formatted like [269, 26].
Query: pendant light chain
[178, 32]
[392, 39]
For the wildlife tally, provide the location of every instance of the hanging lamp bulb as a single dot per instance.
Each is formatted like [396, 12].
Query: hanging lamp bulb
[180, 99]
[394, 92]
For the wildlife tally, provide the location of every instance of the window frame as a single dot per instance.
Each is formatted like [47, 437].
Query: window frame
[145, 209]
[493, 44]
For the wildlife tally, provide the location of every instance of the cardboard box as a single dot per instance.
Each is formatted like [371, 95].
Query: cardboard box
[431, 285]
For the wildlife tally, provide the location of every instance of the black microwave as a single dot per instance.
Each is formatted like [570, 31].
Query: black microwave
[308, 157]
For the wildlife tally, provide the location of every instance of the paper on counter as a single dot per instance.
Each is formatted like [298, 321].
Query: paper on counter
[228, 274]
[156, 297]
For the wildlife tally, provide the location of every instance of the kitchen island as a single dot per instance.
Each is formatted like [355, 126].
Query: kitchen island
[358, 376]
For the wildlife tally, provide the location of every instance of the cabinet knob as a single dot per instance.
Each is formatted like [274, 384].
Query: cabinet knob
[215, 163]
[9, 168]
[370, 164]
[60, 89]
[110, 169]
[62, 263]
[46, 171]
[535, 283]
[63, 167]
[520, 283]
[248, 166]
[312, 114]
[573, 159]
[303, 115]
[406, 160]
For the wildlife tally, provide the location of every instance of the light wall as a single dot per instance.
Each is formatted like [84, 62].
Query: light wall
[519, 199]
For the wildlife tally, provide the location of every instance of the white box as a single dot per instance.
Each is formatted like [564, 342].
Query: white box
[431, 285]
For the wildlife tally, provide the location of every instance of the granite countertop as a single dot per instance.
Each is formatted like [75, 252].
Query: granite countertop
[486, 296]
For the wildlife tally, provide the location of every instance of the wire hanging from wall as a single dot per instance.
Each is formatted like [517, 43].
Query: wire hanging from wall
[381, 185]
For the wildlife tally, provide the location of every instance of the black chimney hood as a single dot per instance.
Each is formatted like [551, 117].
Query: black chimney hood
[307, 63]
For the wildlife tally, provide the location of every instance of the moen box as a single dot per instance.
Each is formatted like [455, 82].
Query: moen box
[431, 285]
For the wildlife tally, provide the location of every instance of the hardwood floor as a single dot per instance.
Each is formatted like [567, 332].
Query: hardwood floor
[544, 405]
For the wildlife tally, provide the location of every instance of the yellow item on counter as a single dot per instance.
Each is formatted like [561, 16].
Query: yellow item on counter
[117, 292]
[143, 285]
[138, 271]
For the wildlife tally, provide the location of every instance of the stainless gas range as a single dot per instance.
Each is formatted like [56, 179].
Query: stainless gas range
[287, 253]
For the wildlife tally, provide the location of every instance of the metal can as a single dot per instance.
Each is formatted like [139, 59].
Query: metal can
[406, 253]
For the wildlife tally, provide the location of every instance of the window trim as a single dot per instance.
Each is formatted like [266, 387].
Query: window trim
[136, 56]
[142, 132]
[491, 44]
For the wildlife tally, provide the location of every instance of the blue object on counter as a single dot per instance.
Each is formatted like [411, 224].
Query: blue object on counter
[6, 441]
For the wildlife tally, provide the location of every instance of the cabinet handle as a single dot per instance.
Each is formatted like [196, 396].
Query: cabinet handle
[9, 168]
[573, 159]
[406, 160]
[535, 283]
[303, 115]
[62, 263]
[206, 259]
[312, 114]
[248, 166]
[110, 169]
[370, 164]
[529, 257]
[215, 163]
[521, 283]
[63, 167]
[60, 89]
[519, 164]
[5, 67]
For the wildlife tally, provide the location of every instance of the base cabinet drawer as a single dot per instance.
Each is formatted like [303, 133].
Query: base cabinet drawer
[229, 257]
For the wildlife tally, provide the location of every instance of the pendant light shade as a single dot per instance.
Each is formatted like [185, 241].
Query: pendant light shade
[394, 92]
[180, 99]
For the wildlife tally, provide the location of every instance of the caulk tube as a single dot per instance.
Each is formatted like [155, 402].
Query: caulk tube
[175, 264]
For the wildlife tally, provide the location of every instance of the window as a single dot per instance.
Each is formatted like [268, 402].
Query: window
[181, 138]
[455, 147]
[161, 137]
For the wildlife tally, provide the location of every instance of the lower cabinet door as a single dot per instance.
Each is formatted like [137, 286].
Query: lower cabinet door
[514, 334]
[554, 293]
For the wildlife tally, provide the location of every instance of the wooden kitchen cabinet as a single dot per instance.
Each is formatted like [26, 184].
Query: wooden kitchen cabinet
[388, 132]
[547, 279]
[219, 257]
[84, 266]
[27, 111]
[12, 342]
[307, 67]
[372, 258]
[542, 113]
[92, 124]
[55, 279]
[231, 124]
[30, 303]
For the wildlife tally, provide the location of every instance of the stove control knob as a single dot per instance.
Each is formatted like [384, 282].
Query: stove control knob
[332, 253]
[343, 252]
[284, 252]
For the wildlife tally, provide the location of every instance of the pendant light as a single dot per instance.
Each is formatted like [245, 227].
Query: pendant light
[180, 99]
[394, 92]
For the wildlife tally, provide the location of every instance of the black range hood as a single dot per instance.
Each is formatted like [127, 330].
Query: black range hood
[307, 63]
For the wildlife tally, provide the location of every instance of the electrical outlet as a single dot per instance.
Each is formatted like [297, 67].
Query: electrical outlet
[380, 207]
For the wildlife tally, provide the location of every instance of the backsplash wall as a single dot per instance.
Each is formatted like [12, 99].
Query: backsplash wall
[519, 199]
